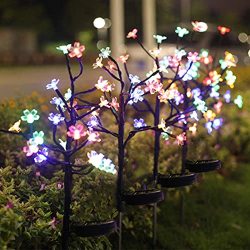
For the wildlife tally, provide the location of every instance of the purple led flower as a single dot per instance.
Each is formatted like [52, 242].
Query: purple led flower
[217, 123]
[227, 96]
[139, 123]
[179, 99]
[93, 122]
[196, 92]
[214, 93]
[41, 156]
[55, 118]
[209, 127]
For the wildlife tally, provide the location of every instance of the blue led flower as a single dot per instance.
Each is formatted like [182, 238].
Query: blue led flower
[227, 96]
[139, 123]
[58, 102]
[55, 118]
[134, 79]
[217, 123]
[93, 122]
[209, 127]
[41, 156]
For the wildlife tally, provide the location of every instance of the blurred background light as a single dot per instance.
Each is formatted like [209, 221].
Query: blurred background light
[99, 23]
[243, 37]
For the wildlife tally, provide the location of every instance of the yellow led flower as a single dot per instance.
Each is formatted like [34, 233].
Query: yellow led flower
[209, 115]
[16, 127]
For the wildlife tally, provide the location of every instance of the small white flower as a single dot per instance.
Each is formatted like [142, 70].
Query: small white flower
[159, 38]
[53, 84]
[105, 52]
[64, 48]
[68, 94]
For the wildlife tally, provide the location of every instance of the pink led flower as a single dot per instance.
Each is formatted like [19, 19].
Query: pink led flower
[155, 52]
[59, 185]
[153, 86]
[98, 63]
[207, 81]
[218, 106]
[181, 138]
[169, 94]
[76, 50]
[76, 132]
[207, 60]
[132, 34]
[53, 223]
[104, 85]
[9, 205]
[112, 67]
[173, 61]
[223, 30]
[193, 56]
[31, 148]
[123, 58]
[213, 78]
[42, 187]
[93, 136]
[199, 26]
[114, 104]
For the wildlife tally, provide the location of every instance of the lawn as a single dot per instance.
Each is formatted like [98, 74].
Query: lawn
[216, 217]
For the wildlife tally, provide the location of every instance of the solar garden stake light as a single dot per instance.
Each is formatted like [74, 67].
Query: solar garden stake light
[130, 92]
[77, 121]
[185, 73]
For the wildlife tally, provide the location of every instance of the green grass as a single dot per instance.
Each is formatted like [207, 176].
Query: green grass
[217, 216]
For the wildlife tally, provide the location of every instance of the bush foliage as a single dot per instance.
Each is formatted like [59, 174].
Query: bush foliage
[31, 199]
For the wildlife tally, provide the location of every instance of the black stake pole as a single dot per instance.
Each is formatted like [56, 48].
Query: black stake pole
[120, 230]
[185, 126]
[184, 150]
[121, 166]
[156, 162]
[67, 202]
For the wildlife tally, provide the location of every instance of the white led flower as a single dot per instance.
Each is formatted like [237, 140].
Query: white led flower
[136, 96]
[181, 31]
[53, 84]
[105, 52]
[68, 95]
[159, 38]
[64, 48]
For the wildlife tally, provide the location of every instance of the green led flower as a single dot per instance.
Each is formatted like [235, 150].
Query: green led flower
[181, 31]
[165, 136]
[30, 116]
[239, 101]
[38, 137]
